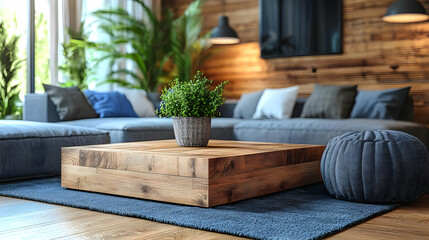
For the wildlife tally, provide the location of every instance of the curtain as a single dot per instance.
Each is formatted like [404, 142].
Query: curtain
[63, 14]
[53, 40]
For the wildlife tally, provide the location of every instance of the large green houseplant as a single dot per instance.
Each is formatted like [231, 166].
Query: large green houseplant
[76, 66]
[188, 44]
[145, 42]
[9, 66]
[192, 104]
[157, 48]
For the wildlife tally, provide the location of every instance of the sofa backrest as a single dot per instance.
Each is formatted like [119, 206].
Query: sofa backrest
[38, 107]
[227, 109]
[407, 111]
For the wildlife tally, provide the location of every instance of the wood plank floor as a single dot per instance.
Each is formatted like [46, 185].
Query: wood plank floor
[22, 219]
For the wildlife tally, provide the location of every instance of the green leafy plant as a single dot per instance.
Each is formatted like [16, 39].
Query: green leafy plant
[76, 67]
[146, 43]
[9, 66]
[192, 98]
[158, 49]
[188, 46]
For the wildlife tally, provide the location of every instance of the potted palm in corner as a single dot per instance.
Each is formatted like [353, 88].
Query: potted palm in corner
[192, 104]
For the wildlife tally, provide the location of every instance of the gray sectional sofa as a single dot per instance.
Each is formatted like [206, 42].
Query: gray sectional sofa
[38, 107]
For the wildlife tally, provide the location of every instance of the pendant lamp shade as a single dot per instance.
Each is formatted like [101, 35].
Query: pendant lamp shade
[223, 33]
[406, 11]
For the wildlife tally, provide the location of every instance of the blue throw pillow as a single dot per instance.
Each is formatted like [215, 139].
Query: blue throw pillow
[110, 104]
[384, 104]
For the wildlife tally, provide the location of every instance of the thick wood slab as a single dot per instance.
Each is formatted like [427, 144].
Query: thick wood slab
[223, 172]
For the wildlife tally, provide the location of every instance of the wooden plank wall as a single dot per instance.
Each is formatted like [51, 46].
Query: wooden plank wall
[376, 55]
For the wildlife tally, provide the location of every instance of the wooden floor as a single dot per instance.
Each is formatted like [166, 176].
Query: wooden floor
[21, 219]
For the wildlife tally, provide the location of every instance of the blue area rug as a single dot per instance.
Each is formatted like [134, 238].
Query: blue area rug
[302, 213]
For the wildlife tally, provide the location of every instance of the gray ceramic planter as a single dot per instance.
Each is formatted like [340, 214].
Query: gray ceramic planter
[192, 131]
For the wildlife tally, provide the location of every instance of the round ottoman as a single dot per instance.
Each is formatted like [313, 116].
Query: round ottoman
[376, 166]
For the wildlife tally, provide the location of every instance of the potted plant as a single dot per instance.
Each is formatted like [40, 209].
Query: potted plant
[192, 104]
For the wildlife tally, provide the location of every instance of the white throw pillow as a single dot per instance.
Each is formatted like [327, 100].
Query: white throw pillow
[138, 99]
[276, 103]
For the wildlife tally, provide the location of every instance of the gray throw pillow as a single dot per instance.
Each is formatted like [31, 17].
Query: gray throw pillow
[246, 106]
[407, 110]
[70, 103]
[382, 104]
[329, 101]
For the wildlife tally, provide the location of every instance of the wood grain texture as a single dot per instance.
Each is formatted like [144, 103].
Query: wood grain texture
[32, 220]
[223, 172]
[376, 55]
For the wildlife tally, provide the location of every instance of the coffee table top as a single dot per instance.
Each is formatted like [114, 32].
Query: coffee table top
[215, 148]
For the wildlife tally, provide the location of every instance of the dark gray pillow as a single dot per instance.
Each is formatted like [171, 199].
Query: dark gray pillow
[407, 110]
[299, 105]
[383, 104]
[246, 106]
[70, 103]
[329, 101]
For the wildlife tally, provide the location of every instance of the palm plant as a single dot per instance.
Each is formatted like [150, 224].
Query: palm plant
[9, 66]
[75, 66]
[148, 42]
[187, 43]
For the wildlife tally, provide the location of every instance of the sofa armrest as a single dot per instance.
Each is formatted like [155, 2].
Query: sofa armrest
[39, 108]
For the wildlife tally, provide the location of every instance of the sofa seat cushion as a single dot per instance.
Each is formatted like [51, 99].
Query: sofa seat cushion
[32, 149]
[147, 129]
[317, 131]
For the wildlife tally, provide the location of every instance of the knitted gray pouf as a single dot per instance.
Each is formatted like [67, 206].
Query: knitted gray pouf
[376, 166]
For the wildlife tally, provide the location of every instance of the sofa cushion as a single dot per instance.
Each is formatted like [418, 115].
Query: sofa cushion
[246, 106]
[147, 129]
[110, 104]
[299, 105]
[276, 103]
[407, 111]
[329, 101]
[33, 149]
[317, 131]
[382, 104]
[70, 103]
[140, 102]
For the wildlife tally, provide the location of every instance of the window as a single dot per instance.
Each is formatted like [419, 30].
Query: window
[42, 58]
[14, 14]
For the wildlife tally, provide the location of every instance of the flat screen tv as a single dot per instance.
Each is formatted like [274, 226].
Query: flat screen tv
[300, 27]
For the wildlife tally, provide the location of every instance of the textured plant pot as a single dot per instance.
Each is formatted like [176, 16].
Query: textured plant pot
[192, 131]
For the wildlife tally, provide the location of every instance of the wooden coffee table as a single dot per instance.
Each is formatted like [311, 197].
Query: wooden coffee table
[223, 172]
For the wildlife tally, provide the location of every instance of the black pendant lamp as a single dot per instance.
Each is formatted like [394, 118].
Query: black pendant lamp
[406, 11]
[223, 33]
